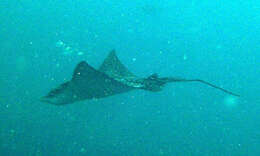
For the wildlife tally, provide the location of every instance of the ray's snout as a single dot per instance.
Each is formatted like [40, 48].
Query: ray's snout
[46, 99]
[52, 100]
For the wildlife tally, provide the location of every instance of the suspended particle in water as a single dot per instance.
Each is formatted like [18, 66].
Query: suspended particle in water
[184, 57]
[82, 150]
[12, 131]
[60, 44]
[80, 53]
[219, 46]
[231, 101]
[68, 50]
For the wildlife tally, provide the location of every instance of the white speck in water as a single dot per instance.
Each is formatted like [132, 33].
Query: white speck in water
[130, 30]
[82, 150]
[60, 44]
[80, 53]
[12, 131]
[184, 57]
[231, 101]
[219, 46]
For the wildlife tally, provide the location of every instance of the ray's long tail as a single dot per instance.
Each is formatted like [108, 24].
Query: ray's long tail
[201, 81]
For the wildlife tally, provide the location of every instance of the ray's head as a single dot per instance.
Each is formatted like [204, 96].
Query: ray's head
[60, 96]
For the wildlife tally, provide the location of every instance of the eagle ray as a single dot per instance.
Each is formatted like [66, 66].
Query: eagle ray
[110, 79]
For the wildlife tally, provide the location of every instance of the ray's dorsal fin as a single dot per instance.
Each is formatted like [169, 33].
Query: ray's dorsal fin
[83, 70]
[114, 68]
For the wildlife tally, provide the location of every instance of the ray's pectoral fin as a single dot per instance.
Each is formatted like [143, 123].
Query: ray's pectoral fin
[68, 92]
[83, 71]
[56, 95]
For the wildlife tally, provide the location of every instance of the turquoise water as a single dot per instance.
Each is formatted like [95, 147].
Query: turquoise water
[42, 41]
